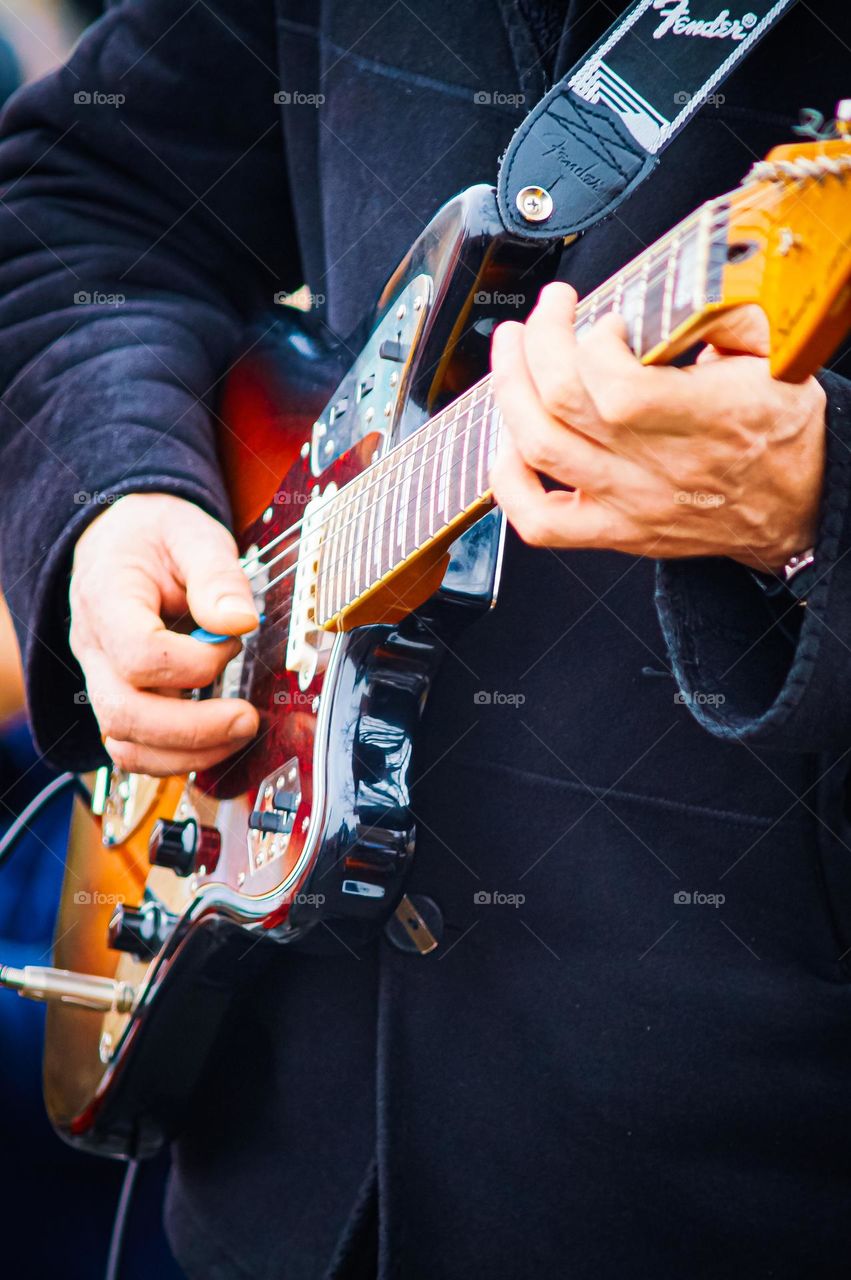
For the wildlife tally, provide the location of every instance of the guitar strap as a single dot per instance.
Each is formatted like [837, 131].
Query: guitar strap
[598, 133]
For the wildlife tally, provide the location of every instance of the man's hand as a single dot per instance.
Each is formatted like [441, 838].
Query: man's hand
[719, 459]
[149, 560]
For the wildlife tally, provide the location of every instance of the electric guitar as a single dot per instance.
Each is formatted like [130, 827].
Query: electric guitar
[380, 542]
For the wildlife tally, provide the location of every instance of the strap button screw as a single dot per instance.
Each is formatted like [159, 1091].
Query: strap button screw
[534, 203]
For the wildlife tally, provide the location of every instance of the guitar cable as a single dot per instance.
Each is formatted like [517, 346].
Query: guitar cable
[18, 828]
[119, 1226]
[10, 841]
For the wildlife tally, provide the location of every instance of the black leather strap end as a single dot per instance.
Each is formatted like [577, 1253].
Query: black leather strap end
[581, 154]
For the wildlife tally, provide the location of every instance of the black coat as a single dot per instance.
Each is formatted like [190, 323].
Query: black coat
[601, 1081]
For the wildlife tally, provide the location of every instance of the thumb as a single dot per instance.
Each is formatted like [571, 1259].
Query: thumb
[206, 561]
[741, 329]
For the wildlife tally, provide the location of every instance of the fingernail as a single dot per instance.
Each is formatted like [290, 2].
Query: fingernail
[236, 604]
[244, 726]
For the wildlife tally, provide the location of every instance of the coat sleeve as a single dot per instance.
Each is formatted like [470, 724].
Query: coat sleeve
[765, 669]
[144, 216]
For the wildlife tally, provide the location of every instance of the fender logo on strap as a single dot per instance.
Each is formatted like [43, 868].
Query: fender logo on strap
[677, 19]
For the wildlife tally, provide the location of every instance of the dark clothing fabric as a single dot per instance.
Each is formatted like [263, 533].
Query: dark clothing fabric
[620, 1074]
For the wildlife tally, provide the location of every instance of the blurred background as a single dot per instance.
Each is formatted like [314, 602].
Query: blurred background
[56, 1205]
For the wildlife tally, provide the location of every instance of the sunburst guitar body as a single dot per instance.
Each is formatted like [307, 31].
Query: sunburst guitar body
[378, 545]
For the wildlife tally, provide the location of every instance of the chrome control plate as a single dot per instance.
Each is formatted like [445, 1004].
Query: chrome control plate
[368, 398]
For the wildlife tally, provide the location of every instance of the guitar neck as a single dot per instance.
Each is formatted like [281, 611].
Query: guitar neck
[422, 494]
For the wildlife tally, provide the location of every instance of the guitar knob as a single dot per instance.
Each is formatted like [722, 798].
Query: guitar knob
[138, 930]
[183, 846]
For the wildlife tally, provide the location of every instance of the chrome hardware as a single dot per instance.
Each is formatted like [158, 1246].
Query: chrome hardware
[374, 379]
[416, 925]
[534, 203]
[307, 643]
[125, 800]
[273, 816]
[85, 989]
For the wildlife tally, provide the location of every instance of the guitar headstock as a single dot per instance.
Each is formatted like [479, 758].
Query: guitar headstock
[789, 248]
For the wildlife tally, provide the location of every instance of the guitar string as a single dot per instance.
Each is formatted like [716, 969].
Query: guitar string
[400, 472]
[405, 454]
[389, 474]
[587, 307]
[603, 295]
[437, 481]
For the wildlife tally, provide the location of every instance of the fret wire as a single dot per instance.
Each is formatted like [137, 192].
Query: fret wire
[407, 472]
[445, 453]
[370, 536]
[393, 521]
[379, 563]
[670, 275]
[386, 525]
[347, 537]
[464, 456]
[456, 435]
